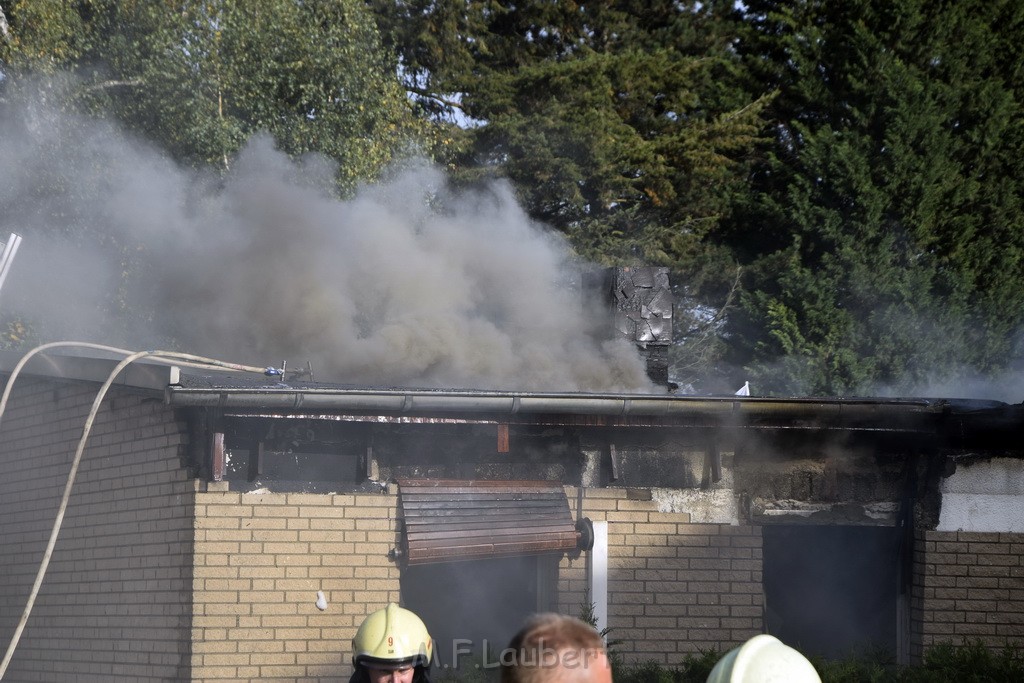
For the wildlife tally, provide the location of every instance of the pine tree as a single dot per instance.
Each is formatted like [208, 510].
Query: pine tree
[621, 125]
[885, 231]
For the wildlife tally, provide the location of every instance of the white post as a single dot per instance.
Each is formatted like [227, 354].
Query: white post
[9, 250]
[597, 575]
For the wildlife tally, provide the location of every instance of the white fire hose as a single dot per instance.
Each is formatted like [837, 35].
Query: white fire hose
[131, 357]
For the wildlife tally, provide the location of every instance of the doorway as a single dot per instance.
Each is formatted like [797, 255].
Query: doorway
[473, 608]
[833, 591]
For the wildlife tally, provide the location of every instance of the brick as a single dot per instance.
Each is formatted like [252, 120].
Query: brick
[999, 560]
[739, 600]
[949, 547]
[978, 536]
[951, 593]
[950, 558]
[951, 570]
[655, 575]
[986, 570]
[648, 528]
[710, 563]
[942, 581]
[636, 506]
[631, 517]
[676, 598]
[980, 582]
[672, 518]
[375, 524]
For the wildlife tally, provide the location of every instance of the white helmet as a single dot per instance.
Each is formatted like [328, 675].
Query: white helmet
[763, 659]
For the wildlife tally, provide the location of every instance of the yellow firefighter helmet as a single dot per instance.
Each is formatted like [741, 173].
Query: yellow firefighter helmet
[392, 637]
[763, 659]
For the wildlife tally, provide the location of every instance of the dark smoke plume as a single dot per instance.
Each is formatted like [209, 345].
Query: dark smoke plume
[408, 283]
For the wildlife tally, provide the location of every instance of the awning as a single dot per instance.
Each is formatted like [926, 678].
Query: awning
[447, 520]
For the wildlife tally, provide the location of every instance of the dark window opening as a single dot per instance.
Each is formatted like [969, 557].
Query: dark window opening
[472, 609]
[831, 591]
[293, 455]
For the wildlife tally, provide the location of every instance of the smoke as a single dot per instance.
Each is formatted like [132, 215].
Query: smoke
[408, 283]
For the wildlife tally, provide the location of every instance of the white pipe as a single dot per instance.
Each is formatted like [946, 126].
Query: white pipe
[597, 575]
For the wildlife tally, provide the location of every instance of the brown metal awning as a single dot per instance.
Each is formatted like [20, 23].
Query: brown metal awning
[448, 520]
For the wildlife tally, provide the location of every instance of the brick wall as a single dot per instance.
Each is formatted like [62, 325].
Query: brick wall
[674, 588]
[260, 560]
[967, 586]
[115, 602]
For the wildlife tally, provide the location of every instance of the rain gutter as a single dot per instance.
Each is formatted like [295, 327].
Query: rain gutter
[428, 402]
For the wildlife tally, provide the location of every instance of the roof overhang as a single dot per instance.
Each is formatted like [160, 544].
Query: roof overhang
[144, 375]
[246, 394]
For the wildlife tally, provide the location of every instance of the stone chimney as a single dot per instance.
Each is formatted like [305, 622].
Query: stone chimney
[640, 300]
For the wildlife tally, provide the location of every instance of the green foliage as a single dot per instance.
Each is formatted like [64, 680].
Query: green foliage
[970, 663]
[16, 334]
[41, 36]
[693, 669]
[885, 230]
[838, 187]
[213, 74]
[623, 125]
[201, 78]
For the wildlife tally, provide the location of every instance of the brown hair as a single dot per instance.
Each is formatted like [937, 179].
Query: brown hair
[552, 647]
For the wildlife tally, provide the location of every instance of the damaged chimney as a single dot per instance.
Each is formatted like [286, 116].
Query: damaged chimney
[641, 305]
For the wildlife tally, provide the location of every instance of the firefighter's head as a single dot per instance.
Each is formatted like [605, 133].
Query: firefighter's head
[763, 659]
[391, 645]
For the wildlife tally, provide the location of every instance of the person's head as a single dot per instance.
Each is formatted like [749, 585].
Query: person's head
[391, 646]
[763, 659]
[553, 648]
[405, 673]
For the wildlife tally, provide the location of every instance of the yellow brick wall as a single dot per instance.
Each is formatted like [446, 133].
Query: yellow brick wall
[155, 579]
[115, 603]
[260, 559]
[674, 588]
[968, 586]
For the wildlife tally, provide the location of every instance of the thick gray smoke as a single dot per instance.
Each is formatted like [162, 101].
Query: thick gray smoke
[406, 284]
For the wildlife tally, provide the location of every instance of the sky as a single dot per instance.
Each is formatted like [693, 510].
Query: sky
[408, 283]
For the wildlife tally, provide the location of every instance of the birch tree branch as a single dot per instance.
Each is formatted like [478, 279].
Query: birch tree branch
[5, 31]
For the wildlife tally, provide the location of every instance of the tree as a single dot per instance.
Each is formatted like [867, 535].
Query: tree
[38, 36]
[194, 79]
[621, 125]
[884, 231]
[200, 78]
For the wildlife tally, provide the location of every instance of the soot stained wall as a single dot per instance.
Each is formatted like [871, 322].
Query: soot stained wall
[675, 588]
[467, 451]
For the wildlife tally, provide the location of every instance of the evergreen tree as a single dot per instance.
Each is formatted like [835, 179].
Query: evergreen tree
[885, 231]
[620, 124]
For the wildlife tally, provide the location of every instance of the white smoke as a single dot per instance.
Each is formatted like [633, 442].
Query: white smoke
[409, 283]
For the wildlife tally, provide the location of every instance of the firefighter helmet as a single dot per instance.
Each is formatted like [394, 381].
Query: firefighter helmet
[392, 637]
[763, 659]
